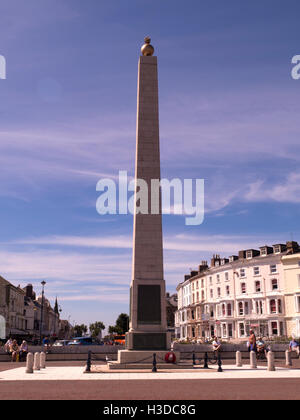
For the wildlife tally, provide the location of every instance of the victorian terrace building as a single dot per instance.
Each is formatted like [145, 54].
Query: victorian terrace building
[239, 293]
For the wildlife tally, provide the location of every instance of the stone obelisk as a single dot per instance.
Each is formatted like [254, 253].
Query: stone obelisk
[148, 325]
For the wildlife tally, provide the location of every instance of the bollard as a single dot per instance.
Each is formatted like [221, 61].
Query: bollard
[288, 358]
[238, 359]
[219, 363]
[88, 362]
[36, 363]
[154, 369]
[29, 363]
[194, 358]
[205, 366]
[253, 363]
[271, 361]
[43, 360]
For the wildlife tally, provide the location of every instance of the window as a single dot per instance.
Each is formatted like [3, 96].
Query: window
[227, 290]
[279, 306]
[274, 327]
[259, 307]
[229, 309]
[210, 280]
[242, 329]
[223, 310]
[202, 283]
[211, 293]
[246, 308]
[249, 254]
[242, 272]
[202, 295]
[257, 286]
[224, 330]
[256, 271]
[219, 292]
[299, 281]
[273, 306]
[226, 276]
[297, 303]
[243, 288]
[241, 308]
[218, 278]
[277, 249]
[274, 284]
[273, 268]
[197, 284]
[197, 296]
[230, 330]
[263, 251]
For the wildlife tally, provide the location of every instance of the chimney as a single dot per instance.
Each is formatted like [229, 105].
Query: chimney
[242, 254]
[203, 266]
[29, 291]
[214, 259]
[292, 247]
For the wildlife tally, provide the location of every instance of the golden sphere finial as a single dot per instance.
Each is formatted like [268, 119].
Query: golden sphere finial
[147, 49]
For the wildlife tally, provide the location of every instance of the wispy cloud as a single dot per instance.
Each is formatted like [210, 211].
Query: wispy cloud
[286, 191]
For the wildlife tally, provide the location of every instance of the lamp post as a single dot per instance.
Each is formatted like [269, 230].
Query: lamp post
[42, 310]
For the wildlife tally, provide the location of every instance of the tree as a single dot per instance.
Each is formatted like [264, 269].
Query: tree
[96, 328]
[123, 323]
[79, 330]
[112, 329]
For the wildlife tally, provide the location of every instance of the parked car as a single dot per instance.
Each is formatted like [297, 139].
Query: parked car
[61, 343]
[84, 341]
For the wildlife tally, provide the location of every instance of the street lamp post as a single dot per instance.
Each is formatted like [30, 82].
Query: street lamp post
[42, 311]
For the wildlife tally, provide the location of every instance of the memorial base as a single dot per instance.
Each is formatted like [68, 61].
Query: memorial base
[152, 341]
[134, 359]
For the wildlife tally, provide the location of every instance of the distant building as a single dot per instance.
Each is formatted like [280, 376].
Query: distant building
[291, 268]
[171, 308]
[22, 312]
[239, 293]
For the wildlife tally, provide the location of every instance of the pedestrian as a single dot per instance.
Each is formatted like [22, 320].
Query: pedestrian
[252, 341]
[7, 345]
[294, 346]
[216, 346]
[23, 351]
[46, 343]
[14, 351]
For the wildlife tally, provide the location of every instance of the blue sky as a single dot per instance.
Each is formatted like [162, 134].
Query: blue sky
[229, 113]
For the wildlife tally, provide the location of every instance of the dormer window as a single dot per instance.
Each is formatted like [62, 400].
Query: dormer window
[249, 254]
[217, 263]
[263, 251]
[277, 249]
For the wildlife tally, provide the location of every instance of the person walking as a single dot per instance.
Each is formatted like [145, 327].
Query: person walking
[216, 346]
[252, 341]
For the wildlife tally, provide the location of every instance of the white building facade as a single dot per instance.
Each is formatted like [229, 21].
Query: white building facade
[234, 295]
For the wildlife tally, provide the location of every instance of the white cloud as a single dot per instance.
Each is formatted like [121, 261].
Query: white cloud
[287, 191]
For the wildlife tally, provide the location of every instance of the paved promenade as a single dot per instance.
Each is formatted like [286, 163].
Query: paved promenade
[69, 382]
